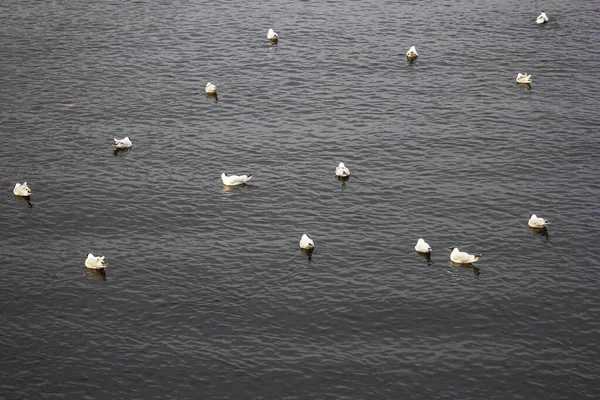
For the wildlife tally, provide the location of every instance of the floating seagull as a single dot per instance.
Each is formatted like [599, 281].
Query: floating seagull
[233, 180]
[124, 143]
[22, 190]
[272, 36]
[92, 262]
[523, 78]
[342, 171]
[422, 246]
[537, 222]
[412, 53]
[210, 88]
[306, 243]
[460, 257]
[542, 18]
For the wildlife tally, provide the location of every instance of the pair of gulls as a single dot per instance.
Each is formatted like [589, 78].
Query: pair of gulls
[341, 171]
[211, 88]
[461, 257]
[526, 78]
[456, 256]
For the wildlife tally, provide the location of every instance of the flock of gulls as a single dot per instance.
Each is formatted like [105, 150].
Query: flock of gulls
[341, 172]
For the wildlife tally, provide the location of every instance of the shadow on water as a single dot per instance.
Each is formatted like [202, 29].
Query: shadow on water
[121, 152]
[343, 180]
[212, 96]
[541, 232]
[99, 274]
[456, 268]
[426, 257]
[25, 199]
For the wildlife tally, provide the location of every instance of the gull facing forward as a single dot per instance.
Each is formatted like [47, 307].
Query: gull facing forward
[272, 36]
[124, 143]
[342, 171]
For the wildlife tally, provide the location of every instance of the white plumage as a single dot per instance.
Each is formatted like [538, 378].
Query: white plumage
[537, 222]
[124, 143]
[460, 257]
[210, 88]
[22, 190]
[233, 180]
[422, 246]
[306, 242]
[95, 262]
[272, 36]
[412, 52]
[542, 18]
[523, 78]
[342, 171]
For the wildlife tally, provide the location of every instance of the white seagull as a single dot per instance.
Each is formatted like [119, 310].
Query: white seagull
[422, 246]
[210, 88]
[537, 222]
[412, 52]
[460, 257]
[523, 78]
[22, 190]
[272, 36]
[342, 171]
[233, 180]
[124, 143]
[542, 18]
[306, 243]
[92, 262]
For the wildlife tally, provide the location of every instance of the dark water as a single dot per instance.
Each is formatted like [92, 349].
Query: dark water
[207, 294]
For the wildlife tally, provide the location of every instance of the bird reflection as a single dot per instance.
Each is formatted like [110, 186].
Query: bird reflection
[213, 96]
[454, 267]
[526, 86]
[410, 60]
[26, 199]
[97, 273]
[308, 252]
[229, 190]
[343, 180]
[541, 232]
[121, 152]
[426, 257]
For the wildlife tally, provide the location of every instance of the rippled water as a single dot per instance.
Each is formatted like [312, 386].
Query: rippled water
[207, 294]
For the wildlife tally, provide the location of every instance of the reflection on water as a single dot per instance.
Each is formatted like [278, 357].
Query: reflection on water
[457, 268]
[229, 190]
[343, 180]
[25, 199]
[308, 253]
[121, 152]
[541, 232]
[97, 273]
[426, 257]
[213, 96]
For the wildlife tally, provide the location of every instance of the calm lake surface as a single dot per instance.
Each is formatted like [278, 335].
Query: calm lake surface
[207, 294]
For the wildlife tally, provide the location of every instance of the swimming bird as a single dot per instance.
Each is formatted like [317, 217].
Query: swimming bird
[412, 53]
[422, 246]
[523, 78]
[306, 242]
[460, 257]
[233, 180]
[210, 88]
[94, 262]
[272, 36]
[22, 190]
[342, 171]
[542, 18]
[124, 143]
[537, 222]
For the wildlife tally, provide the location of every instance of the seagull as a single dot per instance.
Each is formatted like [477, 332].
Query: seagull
[124, 143]
[412, 53]
[537, 222]
[22, 190]
[92, 262]
[523, 78]
[272, 36]
[306, 242]
[210, 88]
[460, 257]
[422, 246]
[542, 18]
[342, 171]
[233, 180]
